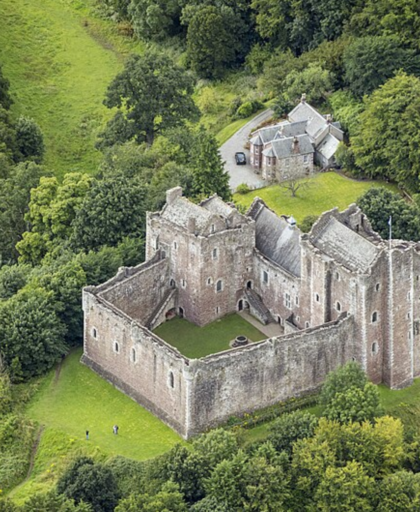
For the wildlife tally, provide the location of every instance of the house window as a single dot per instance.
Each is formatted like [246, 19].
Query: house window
[374, 348]
[133, 355]
[374, 317]
[171, 380]
[317, 297]
[265, 276]
[215, 254]
[287, 301]
[219, 285]
[306, 159]
[377, 287]
[95, 333]
[116, 347]
[338, 306]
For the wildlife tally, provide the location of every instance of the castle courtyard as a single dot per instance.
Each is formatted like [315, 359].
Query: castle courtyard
[195, 342]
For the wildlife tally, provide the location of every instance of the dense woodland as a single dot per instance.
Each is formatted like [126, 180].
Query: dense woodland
[359, 60]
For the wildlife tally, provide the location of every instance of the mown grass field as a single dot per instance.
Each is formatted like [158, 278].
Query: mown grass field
[196, 342]
[325, 191]
[60, 58]
[79, 400]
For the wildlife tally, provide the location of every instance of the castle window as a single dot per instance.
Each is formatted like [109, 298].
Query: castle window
[377, 287]
[265, 276]
[374, 348]
[183, 283]
[287, 301]
[209, 280]
[175, 245]
[408, 316]
[317, 298]
[133, 355]
[217, 310]
[95, 333]
[116, 347]
[297, 300]
[374, 317]
[156, 243]
[337, 276]
[172, 283]
[215, 254]
[408, 296]
[306, 325]
[338, 306]
[213, 228]
[219, 285]
[171, 380]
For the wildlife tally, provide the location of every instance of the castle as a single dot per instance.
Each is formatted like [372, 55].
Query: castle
[340, 292]
[290, 149]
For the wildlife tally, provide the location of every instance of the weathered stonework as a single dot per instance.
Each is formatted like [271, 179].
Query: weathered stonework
[340, 291]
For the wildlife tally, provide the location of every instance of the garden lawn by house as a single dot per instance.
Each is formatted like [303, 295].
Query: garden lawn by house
[326, 190]
[59, 59]
[195, 342]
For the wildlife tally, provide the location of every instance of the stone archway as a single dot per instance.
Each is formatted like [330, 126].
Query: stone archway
[181, 312]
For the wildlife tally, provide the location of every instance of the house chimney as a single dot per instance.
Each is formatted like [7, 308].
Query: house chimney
[292, 222]
[303, 98]
[295, 148]
[173, 194]
[191, 225]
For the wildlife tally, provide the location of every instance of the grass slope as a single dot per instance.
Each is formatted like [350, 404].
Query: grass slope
[60, 59]
[196, 342]
[80, 400]
[326, 191]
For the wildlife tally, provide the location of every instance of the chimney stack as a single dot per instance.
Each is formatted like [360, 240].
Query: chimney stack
[173, 194]
[303, 98]
[329, 118]
[295, 145]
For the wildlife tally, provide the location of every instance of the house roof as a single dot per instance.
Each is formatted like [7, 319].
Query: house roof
[267, 134]
[345, 246]
[269, 152]
[284, 148]
[181, 210]
[293, 129]
[328, 146]
[276, 238]
[305, 112]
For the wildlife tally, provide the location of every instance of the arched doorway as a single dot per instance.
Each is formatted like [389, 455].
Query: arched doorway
[249, 285]
[240, 305]
[181, 312]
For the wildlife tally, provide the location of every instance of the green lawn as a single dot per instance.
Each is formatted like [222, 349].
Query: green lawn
[59, 59]
[326, 191]
[196, 342]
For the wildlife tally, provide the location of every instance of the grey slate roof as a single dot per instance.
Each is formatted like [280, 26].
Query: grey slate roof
[292, 129]
[216, 205]
[328, 146]
[275, 238]
[181, 210]
[345, 246]
[267, 134]
[283, 148]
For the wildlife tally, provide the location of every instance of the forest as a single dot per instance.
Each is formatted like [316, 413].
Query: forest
[199, 66]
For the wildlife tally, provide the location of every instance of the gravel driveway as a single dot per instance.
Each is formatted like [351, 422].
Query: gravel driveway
[243, 173]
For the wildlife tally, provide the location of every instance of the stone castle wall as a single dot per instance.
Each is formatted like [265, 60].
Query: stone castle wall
[261, 374]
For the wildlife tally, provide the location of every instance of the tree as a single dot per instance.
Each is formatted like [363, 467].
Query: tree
[14, 198]
[215, 40]
[295, 184]
[354, 404]
[12, 279]
[91, 483]
[153, 94]
[306, 225]
[5, 99]
[379, 204]
[315, 81]
[387, 142]
[209, 175]
[8, 144]
[399, 492]
[29, 139]
[370, 61]
[31, 334]
[169, 499]
[114, 208]
[155, 19]
[345, 489]
[53, 503]
[347, 376]
[288, 428]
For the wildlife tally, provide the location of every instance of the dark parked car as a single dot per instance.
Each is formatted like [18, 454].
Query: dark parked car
[240, 158]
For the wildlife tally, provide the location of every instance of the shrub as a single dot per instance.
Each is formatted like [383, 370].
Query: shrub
[243, 188]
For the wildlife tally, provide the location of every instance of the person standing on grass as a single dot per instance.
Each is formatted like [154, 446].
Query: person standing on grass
[115, 429]
[87, 435]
